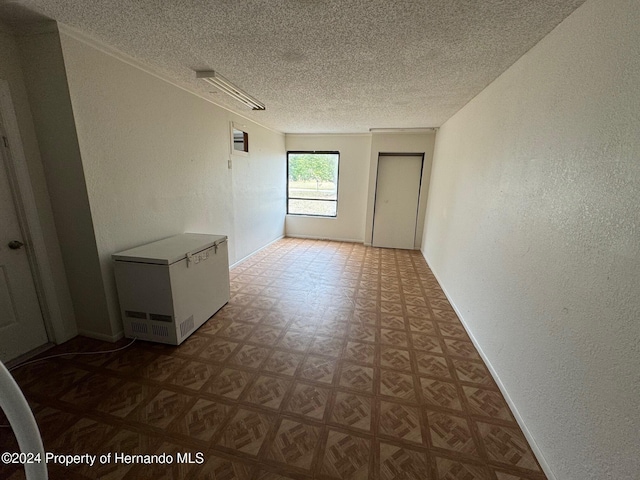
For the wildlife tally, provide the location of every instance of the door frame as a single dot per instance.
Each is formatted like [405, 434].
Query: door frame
[397, 141]
[27, 212]
[375, 192]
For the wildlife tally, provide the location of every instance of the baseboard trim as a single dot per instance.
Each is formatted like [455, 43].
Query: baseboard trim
[101, 336]
[330, 239]
[255, 251]
[25, 357]
[532, 442]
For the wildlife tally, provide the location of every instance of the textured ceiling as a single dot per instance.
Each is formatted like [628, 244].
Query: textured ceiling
[323, 66]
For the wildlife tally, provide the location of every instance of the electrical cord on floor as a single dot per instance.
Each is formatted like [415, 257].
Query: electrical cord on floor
[65, 355]
[71, 353]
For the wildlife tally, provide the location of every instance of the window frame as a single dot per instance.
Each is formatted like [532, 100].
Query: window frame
[236, 126]
[319, 152]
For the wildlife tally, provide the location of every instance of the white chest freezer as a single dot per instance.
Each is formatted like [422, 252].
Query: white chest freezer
[169, 288]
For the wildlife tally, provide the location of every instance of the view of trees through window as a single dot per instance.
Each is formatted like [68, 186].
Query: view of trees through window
[312, 183]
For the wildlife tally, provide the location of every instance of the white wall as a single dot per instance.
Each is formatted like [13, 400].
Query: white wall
[533, 229]
[357, 182]
[353, 177]
[62, 322]
[155, 162]
[40, 51]
[400, 143]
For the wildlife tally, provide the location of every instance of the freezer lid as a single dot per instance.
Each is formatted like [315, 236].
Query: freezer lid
[170, 250]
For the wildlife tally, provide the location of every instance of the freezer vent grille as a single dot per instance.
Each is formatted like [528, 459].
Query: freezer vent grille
[186, 327]
[160, 330]
[160, 318]
[134, 314]
[137, 327]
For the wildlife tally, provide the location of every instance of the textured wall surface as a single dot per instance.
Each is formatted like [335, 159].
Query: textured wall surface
[352, 187]
[155, 159]
[533, 228]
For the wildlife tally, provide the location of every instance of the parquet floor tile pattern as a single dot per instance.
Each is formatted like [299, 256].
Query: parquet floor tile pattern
[331, 361]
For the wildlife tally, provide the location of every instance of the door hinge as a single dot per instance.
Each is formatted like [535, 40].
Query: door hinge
[6, 142]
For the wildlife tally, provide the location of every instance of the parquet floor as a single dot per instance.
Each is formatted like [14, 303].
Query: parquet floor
[331, 361]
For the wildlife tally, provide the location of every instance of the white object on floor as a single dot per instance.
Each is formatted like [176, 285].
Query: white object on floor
[169, 288]
[23, 423]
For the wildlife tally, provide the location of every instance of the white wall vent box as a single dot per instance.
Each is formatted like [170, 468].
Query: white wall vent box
[169, 288]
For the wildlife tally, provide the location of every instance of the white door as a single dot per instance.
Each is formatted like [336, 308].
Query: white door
[21, 323]
[396, 206]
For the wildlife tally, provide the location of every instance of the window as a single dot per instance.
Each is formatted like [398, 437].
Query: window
[239, 140]
[312, 183]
